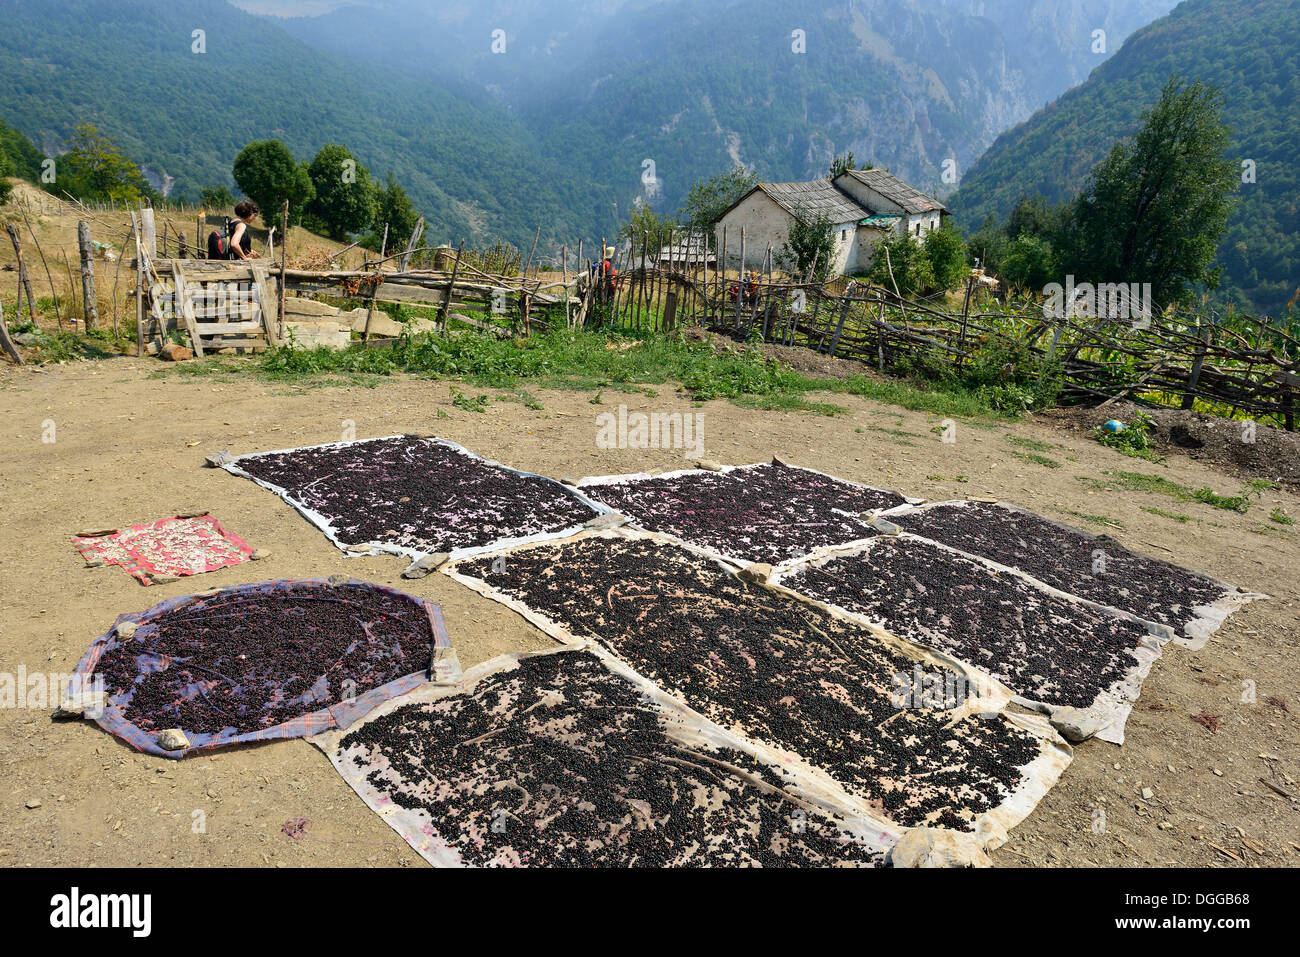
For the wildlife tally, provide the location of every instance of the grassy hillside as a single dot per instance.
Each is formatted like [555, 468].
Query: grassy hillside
[1251, 50]
[127, 66]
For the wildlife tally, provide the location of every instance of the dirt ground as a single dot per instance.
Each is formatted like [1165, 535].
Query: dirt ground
[1271, 453]
[129, 447]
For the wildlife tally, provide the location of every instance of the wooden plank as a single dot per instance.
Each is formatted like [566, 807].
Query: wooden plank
[203, 270]
[228, 328]
[220, 313]
[185, 309]
[237, 343]
[149, 234]
[259, 289]
[392, 292]
[416, 233]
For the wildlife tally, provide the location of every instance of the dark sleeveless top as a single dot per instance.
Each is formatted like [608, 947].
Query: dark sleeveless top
[245, 241]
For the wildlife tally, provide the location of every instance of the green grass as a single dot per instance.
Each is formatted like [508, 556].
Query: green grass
[1121, 481]
[1133, 441]
[1281, 517]
[1231, 503]
[1033, 444]
[72, 346]
[598, 360]
[470, 403]
[1041, 460]
[1176, 516]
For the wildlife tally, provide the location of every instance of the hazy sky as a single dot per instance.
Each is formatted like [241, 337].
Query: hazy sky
[288, 8]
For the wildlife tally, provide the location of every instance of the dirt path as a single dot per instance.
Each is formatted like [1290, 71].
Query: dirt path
[129, 448]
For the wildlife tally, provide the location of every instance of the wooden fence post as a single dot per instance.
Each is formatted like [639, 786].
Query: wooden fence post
[451, 289]
[965, 317]
[1287, 384]
[670, 311]
[284, 283]
[5, 342]
[139, 286]
[740, 283]
[720, 277]
[24, 281]
[89, 307]
[844, 315]
[1189, 399]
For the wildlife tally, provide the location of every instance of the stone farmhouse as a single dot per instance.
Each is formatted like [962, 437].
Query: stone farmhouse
[862, 205]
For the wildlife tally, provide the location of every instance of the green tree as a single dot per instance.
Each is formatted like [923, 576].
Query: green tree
[1034, 217]
[267, 173]
[810, 244]
[1028, 264]
[6, 170]
[94, 168]
[643, 221]
[394, 210]
[946, 253]
[21, 152]
[899, 259]
[988, 244]
[708, 199]
[1155, 209]
[345, 193]
[216, 197]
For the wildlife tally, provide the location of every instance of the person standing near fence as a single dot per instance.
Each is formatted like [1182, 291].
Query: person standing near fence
[236, 242]
[609, 276]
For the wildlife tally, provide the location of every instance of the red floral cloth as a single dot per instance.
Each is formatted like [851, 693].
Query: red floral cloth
[171, 547]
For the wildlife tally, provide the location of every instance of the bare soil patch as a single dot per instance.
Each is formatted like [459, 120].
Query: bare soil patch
[128, 447]
[1267, 453]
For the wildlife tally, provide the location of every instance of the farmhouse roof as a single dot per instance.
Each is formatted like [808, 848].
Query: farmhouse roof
[817, 196]
[895, 190]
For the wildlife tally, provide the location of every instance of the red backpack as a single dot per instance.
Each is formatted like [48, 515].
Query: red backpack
[218, 245]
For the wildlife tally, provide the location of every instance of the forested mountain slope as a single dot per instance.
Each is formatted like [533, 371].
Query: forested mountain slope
[127, 66]
[1250, 49]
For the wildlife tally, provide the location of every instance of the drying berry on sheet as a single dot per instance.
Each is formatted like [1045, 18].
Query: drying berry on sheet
[418, 494]
[761, 513]
[771, 668]
[561, 763]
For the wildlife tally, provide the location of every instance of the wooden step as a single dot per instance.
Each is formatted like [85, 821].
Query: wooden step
[228, 328]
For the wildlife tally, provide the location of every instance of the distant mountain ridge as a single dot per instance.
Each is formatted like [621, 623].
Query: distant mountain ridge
[606, 84]
[555, 131]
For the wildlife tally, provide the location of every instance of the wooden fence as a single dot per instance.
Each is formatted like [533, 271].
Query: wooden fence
[1232, 364]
